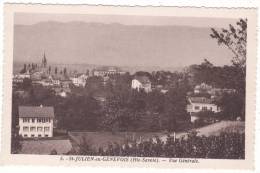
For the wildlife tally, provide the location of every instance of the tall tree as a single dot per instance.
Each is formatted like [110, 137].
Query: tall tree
[24, 69]
[56, 70]
[235, 39]
[49, 70]
[64, 71]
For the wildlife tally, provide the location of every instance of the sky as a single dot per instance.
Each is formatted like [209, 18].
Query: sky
[118, 40]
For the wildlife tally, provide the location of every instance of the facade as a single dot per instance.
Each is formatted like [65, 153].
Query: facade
[197, 104]
[79, 80]
[36, 121]
[106, 71]
[142, 83]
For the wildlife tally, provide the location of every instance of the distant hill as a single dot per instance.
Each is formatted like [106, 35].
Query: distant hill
[116, 44]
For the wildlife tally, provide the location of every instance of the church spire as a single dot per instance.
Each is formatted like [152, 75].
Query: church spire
[44, 60]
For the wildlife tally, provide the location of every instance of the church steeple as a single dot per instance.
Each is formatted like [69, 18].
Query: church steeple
[44, 61]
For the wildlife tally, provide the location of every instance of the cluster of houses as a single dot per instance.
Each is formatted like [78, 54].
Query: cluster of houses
[61, 82]
[39, 121]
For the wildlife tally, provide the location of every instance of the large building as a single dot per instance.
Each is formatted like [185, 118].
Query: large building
[197, 104]
[106, 71]
[142, 83]
[79, 79]
[36, 121]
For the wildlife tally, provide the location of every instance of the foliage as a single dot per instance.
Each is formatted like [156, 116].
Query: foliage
[232, 106]
[224, 146]
[235, 39]
[15, 142]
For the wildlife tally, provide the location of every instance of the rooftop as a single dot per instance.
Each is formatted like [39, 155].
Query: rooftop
[143, 79]
[201, 100]
[36, 111]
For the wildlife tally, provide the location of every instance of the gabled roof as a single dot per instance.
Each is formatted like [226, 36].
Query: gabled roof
[202, 100]
[143, 79]
[36, 111]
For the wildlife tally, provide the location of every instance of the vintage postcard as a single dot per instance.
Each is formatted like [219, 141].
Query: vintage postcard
[161, 87]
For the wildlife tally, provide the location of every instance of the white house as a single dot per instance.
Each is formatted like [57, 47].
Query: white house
[79, 80]
[36, 121]
[142, 82]
[198, 104]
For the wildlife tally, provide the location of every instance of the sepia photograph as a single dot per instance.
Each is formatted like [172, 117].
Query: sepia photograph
[139, 86]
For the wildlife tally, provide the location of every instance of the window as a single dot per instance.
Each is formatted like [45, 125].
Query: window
[32, 129]
[39, 129]
[33, 120]
[39, 136]
[210, 108]
[25, 135]
[38, 120]
[32, 136]
[26, 120]
[46, 135]
[25, 129]
[46, 129]
[204, 108]
[196, 107]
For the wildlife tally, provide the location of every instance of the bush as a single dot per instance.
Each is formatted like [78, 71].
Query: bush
[224, 146]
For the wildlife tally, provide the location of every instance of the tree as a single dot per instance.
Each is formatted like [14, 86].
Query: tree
[235, 39]
[65, 71]
[87, 72]
[175, 108]
[49, 70]
[232, 106]
[15, 142]
[56, 70]
[27, 84]
[24, 69]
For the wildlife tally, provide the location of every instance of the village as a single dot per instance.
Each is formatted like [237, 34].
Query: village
[44, 128]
